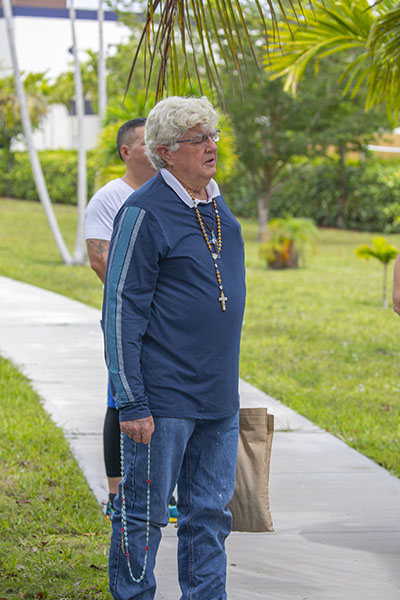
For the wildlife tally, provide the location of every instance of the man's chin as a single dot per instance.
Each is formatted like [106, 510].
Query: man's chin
[212, 168]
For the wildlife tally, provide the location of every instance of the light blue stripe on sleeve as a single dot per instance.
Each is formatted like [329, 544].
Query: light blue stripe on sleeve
[118, 266]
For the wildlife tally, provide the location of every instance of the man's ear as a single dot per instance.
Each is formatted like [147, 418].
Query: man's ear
[124, 150]
[165, 154]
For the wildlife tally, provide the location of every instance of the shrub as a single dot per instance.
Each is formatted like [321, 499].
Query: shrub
[306, 188]
[310, 189]
[60, 170]
[3, 174]
[241, 196]
[374, 188]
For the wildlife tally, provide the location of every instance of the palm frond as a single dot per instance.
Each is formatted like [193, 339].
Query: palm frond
[384, 48]
[381, 250]
[214, 30]
[326, 29]
[372, 33]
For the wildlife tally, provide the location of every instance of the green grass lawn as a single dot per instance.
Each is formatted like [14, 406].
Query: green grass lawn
[319, 340]
[54, 538]
[28, 252]
[315, 338]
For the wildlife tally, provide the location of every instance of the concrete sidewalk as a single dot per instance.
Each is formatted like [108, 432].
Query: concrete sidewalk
[336, 513]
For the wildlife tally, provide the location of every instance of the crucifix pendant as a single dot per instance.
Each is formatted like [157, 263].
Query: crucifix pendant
[223, 299]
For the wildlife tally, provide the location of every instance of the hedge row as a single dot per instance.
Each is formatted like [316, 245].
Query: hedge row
[306, 189]
[60, 170]
[311, 189]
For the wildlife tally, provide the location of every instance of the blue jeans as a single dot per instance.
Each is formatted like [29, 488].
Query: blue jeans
[199, 456]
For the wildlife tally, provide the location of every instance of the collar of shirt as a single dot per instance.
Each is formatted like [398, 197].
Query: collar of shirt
[212, 189]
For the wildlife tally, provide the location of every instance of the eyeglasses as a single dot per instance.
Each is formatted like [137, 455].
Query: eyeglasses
[201, 138]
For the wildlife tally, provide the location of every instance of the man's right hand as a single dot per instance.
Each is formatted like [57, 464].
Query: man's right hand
[139, 430]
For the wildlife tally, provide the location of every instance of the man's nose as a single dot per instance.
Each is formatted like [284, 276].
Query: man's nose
[211, 143]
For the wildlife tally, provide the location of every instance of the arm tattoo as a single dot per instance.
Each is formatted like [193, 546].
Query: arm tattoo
[99, 247]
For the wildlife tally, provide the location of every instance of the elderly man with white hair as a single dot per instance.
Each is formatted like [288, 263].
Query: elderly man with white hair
[172, 318]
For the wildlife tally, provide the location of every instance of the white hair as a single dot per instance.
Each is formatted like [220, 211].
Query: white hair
[171, 118]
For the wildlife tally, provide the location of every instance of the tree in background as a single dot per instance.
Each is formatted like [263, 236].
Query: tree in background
[340, 126]
[37, 91]
[63, 88]
[273, 128]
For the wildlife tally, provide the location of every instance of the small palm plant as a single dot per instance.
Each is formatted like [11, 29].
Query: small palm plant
[382, 251]
[287, 238]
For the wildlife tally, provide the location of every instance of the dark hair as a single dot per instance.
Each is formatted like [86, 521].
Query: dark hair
[125, 129]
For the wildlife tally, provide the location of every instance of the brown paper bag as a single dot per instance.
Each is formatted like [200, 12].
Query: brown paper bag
[250, 503]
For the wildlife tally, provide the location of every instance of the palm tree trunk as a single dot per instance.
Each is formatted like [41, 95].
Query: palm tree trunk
[27, 127]
[80, 256]
[384, 298]
[263, 203]
[102, 86]
[343, 193]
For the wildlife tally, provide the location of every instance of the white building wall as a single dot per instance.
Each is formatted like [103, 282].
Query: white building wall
[5, 60]
[92, 130]
[60, 131]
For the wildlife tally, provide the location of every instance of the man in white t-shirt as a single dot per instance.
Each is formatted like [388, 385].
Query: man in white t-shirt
[107, 201]
[100, 214]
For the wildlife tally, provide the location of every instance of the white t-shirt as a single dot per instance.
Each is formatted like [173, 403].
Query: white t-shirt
[102, 208]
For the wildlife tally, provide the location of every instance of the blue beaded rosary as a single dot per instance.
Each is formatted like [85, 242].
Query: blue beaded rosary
[124, 525]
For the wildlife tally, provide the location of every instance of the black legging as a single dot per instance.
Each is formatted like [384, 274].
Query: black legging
[111, 443]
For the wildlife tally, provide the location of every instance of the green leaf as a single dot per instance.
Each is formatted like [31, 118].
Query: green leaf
[381, 250]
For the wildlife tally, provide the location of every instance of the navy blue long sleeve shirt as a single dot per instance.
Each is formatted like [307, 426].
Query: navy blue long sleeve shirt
[170, 349]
